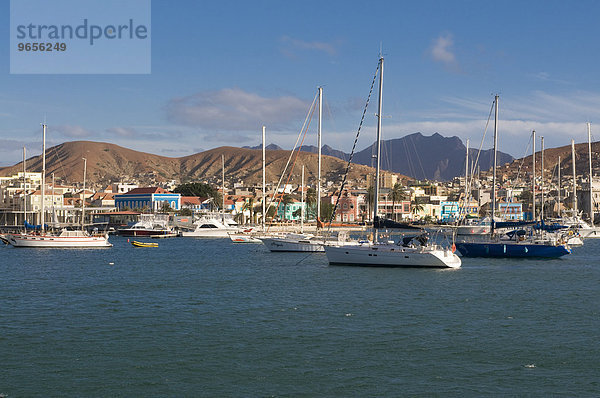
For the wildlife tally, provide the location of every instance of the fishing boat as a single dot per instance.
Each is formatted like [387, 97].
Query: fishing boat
[209, 227]
[135, 243]
[415, 251]
[149, 225]
[519, 243]
[63, 238]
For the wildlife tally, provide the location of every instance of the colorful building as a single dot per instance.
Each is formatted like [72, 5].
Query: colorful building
[150, 199]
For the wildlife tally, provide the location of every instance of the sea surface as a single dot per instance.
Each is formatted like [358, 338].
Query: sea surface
[209, 318]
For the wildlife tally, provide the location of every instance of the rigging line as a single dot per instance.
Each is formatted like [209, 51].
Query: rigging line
[487, 124]
[295, 158]
[306, 120]
[515, 183]
[418, 158]
[411, 170]
[353, 148]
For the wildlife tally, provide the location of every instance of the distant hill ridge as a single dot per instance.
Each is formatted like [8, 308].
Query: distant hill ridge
[422, 157]
[107, 163]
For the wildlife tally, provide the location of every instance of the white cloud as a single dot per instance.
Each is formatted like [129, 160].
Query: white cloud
[71, 131]
[292, 45]
[122, 131]
[235, 109]
[442, 50]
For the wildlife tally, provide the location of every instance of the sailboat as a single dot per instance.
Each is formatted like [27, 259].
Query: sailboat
[64, 238]
[294, 242]
[415, 251]
[517, 243]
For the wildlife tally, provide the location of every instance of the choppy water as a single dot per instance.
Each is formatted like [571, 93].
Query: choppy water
[210, 318]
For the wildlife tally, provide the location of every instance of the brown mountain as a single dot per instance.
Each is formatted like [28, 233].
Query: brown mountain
[551, 156]
[108, 163]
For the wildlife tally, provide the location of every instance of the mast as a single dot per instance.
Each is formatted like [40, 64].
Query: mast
[319, 149]
[589, 128]
[533, 217]
[542, 184]
[466, 179]
[379, 115]
[495, 160]
[264, 216]
[223, 187]
[24, 188]
[83, 199]
[559, 212]
[43, 207]
[302, 204]
[574, 178]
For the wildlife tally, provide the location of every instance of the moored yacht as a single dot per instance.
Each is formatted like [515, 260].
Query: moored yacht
[413, 252]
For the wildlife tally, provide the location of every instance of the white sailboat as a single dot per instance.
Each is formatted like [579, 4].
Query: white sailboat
[413, 252]
[64, 238]
[294, 242]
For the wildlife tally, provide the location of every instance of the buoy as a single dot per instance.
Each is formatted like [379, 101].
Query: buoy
[453, 248]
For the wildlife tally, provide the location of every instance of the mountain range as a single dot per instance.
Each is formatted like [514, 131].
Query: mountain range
[108, 163]
[417, 156]
[421, 157]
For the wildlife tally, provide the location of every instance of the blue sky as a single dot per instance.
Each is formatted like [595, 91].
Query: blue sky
[221, 70]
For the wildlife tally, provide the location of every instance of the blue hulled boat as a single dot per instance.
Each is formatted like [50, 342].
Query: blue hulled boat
[511, 249]
[536, 241]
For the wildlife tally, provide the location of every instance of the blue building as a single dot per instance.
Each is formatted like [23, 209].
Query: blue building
[449, 211]
[287, 213]
[150, 199]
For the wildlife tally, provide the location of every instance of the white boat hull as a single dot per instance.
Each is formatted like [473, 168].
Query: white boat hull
[392, 256]
[208, 233]
[243, 238]
[293, 245]
[50, 241]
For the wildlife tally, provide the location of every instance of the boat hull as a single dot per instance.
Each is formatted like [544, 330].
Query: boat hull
[242, 238]
[143, 232]
[207, 233]
[285, 245]
[511, 250]
[381, 256]
[48, 241]
[143, 244]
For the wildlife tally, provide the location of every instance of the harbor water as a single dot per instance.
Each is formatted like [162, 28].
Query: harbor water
[209, 318]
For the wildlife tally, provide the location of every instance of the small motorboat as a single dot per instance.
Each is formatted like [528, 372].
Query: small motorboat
[135, 243]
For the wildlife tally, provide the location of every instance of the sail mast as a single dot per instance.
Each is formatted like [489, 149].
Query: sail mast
[223, 187]
[43, 207]
[466, 180]
[589, 128]
[24, 188]
[574, 178]
[264, 216]
[495, 160]
[319, 149]
[379, 115]
[83, 199]
[302, 204]
[542, 184]
[533, 217]
[559, 212]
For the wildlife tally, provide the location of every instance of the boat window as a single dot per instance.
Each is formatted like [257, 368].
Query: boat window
[208, 226]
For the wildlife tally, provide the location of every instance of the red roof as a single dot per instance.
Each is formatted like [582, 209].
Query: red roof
[138, 191]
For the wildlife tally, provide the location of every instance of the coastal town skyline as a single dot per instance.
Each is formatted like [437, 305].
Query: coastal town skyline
[219, 72]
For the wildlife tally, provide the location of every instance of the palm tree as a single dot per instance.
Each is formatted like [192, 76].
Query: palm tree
[417, 206]
[370, 199]
[397, 194]
[311, 200]
[287, 199]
